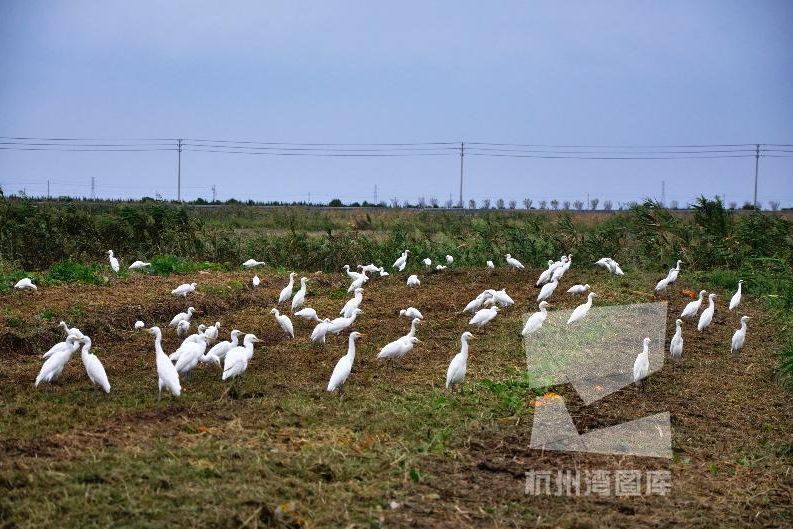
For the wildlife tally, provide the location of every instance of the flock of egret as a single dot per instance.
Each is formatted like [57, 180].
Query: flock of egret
[203, 346]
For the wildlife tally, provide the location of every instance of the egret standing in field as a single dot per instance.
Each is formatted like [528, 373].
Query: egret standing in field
[427, 262]
[736, 298]
[693, 306]
[320, 331]
[139, 265]
[401, 261]
[93, 367]
[183, 328]
[536, 320]
[25, 284]
[673, 273]
[307, 313]
[449, 260]
[413, 281]
[411, 312]
[491, 264]
[502, 298]
[251, 263]
[220, 349]
[284, 322]
[300, 295]
[339, 324]
[237, 359]
[167, 376]
[184, 289]
[53, 366]
[358, 283]
[641, 366]
[514, 263]
[343, 366]
[455, 374]
[190, 354]
[676, 345]
[352, 274]
[546, 290]
[398, 348]
[211, 332]
[352, 303]
[707, 314]
[664, 283]
[286, 292]
[582, 310]
[74, 331]
[256, 281]
[483, 316]
[578, 289]
[441, 267]
[113, 261]
[739, 338]
[182, 316]
[477, 302]
[139, 325]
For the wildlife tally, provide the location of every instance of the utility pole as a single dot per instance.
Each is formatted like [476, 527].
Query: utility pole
[756, 167]
[214, 193]
[375, 194]
[48, 188]
[462, 159]
[93, 187]
[179, 171]
[663, 192]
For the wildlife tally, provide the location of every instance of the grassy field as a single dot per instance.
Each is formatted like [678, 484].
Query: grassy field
[277, 451]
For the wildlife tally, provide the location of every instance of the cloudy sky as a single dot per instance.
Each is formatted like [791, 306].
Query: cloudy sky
[600, 73]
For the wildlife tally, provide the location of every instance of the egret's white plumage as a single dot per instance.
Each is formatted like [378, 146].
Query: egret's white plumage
[339, 324]
[182, 316]
[211, 332]
[358, 283]
[139, 325]
[237, 359]
[371, 268]
[546, 290]
[736, 298]
[25, 284]
[581, 311]
[74, 331]
[511, 261]
[398, 348]
[401, 261]
[707, 314]
[535, 321]
[191, 353]
[483, 316]
[307, 313]
[344, 366]
[413, 281]
[490, 264]
[664, 283]
[137, 265]
[578, 289]
[53, 366]
[220, 349]
[284, 322]
[739, 337]
[413, 327]
[93, 367]
[300, 295]
[320, 331]
[641, 366]
[251, 263]
[502, 298]
[352, 303]
[440, 267]
[455, 374]
[411, 312]
[427, 262]
[383, 273]
[256, 281]
[113, 261]
[183, 328]
[674, 272]
[545, 276]
[167, 375]
[676, 345]
[693, 306]
[449, 260]
[351, 273]
[476, 303]
[286, 292]
[184, 289]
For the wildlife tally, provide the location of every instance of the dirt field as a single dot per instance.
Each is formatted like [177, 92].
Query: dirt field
[398, 450]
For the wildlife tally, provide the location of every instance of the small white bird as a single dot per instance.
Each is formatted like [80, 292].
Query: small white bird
[582, 310]
[641, 366]
[664, 283]
[358, 283]
[674, 272]
[476, 303]
[256, 281]
[182, 316]
[74, 331]
[427, 262]
[578, 289]
[320, 331]
[191, 353]
[300, 295]
[183, 328]
[211, 332]
[545, 276]
[167, 375]
[398, 348]
[371, 268]
[113, 261]
[449, 260]
[285, 323]
[344, 366]
[736, 298]
[546, 290]
[184, 289]
[615, 269]
[53, 366]
[25, 284]
[676, 345]
[739, 338]
[286, 292]
[352, 303]
[536, 320]
[93, 367]
[483, 317]
[440, 267]
[413, 327]
[221, 349]
[511, 261]
[693, 306]
[351, 273]
[401, 262]
[251, 263]
[383, 273]
[413, 281]
[491, 265]
[502, 298]
[411, 312]
[307, 313]
[139, 325]
[339, 324]
[137, 265]
[237, 359]
[455, 374]
[707, 314]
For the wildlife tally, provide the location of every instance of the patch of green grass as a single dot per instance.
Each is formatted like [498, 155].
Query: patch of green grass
[74, 272]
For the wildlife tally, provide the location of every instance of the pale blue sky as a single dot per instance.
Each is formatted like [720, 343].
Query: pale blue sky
[599, 72]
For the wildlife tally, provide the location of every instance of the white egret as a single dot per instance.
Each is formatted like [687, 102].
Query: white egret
[339, 324]
[449, 260]
[182, 316]
[578, 289]
[351, 273]
[113, 261]
[400, 263]
[413, 281]
[411, 312]
[546, 290]
[25, 284]
[739, 337]
[251, 263]
[93, 367]
[74, 331]
[139, 325]
[183, 328]
[191, 353]
[344, 366]
[663, 283]
[707, 314]
[237, 358]
[352, 303]
[581, 311]
[256, 281]
[615, 269]
[53, 366]
[284, 322]
[184, 289]
[693, 306]
[568, 262]
[220, 349]
[167, 375]
[371, 268]
[559, 270]
[490, 264]
[604, 262]
[286, 292]
[536, 320]
[383, 273]
[307, 313]
[320, 331]
[440, 267]
[358, 283]
[545, 276]
[211, 332]
[398, 348]
[641, 366]
[413, 328]
[483, 316]
[476, 303]
[502, 298]
[173, 357]
[676, 345]
[138, 265]
[455, 374]
[674, 272]
[511, 261]
[427, 262]
[300, 296]
[736, 298]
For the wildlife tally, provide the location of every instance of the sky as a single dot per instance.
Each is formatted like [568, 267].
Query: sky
[604, 73]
